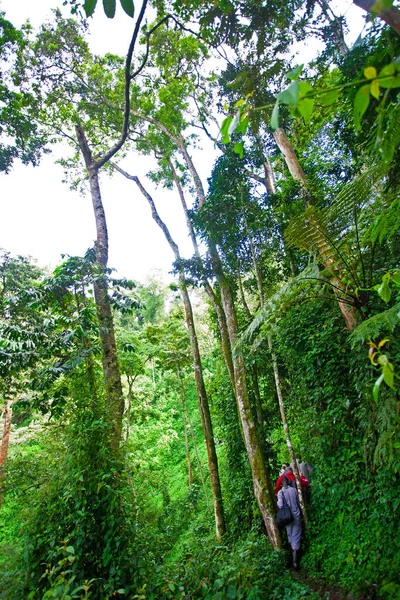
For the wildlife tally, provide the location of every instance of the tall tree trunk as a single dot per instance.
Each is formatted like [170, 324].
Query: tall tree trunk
[225, 344]
[198, 370]
[286, 430]
[261, 480]
[5, 441]
[111, 371]
[185, 432]
[196, 453]
[337, 27]
[298, 174]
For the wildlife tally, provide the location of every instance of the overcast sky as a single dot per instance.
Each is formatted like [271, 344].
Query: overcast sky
[41, 217]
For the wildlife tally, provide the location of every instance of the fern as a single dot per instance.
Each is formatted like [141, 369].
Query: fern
[276, 305]
[373, 327]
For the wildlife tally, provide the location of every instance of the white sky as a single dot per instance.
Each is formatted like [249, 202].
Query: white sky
[41, 217]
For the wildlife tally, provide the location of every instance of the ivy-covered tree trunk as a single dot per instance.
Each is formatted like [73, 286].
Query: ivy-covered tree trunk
[111, 371]
[185, 428]
[5, 441]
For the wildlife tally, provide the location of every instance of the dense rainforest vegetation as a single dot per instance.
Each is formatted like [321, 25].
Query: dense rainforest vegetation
[145, 424]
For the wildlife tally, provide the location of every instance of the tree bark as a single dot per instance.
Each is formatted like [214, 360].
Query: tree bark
[5, 441]
[111, 371]
[261, 481]
[391, 15]
[185, 432]
[198, 369]
[298, 174]
[225, 344]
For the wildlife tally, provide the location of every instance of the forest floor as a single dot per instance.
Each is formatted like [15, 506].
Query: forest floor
[325, 591]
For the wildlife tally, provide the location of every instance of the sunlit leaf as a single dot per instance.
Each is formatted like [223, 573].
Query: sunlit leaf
[275, 116]
[305, 108]
[304, 88]
[375, 89]
[375, 391]
[388, 374]
[238, 148]
[384, 291]
[370, 72]
[234, 123]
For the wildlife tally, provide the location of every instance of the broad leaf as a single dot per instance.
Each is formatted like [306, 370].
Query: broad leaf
[375, 89]
[384, 291]
[388, 374]
[275, 116]
[128, 7]
[291, 94]
[89, 6]
[370, 72]
[375, 391]
[234, 123]
[329, 97]
[238, 148]
[304, 88]
[109, 8]
[361, 103]
[305, 107]
[295, 73]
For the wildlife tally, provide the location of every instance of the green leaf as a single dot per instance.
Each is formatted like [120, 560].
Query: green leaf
[305, 107]
[275, 116]
[234, 123]
[375, 391]
[243, 125]
[388, 374]
[225, 125]
[121, 591]
[291, 94]
[384, 291]
[304, 88]
[375, 89]
[89, 6]
[388, 78]
[128, 7]
[370, 72]
[238, 148]
[329, 97]
[70, 549]
[396, 278]
[295, 73]
[109, 8]
[361, 103]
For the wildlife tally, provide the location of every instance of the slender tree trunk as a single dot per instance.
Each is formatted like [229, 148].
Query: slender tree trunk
[225, 344]
[198, 460]
[5, 441]
[337, 27]
[183, 400]
[298, 174]
[198, 371]
[286, 430]
[112, 376]
[261, 481]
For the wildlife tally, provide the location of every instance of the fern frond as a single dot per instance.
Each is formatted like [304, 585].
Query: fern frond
[370, 329]
[277, 304]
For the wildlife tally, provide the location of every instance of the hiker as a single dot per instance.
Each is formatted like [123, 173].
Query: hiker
[293, 529]
[292, 481]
